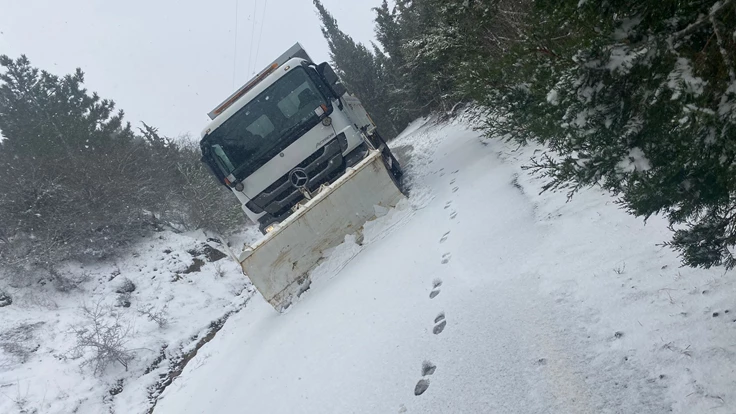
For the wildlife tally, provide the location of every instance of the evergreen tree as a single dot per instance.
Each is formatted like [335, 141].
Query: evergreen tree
[360, 71]
[78, 182]
[419, 75]
[73, 177]
[444, 52]
[636, 96]
[639, 97]
[43, 114]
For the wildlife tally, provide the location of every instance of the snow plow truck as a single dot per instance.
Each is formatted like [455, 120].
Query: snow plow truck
[306, 162]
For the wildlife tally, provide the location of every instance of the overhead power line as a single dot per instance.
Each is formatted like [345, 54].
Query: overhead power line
[235, 46]
[260, 35]
[252, 33]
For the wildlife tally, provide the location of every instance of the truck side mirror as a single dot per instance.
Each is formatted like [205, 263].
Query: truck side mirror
[339, 89]
[330, 77]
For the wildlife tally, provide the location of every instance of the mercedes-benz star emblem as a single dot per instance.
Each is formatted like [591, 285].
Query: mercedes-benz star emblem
[298, 178]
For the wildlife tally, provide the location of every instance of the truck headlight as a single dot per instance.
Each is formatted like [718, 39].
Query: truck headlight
[270, 228]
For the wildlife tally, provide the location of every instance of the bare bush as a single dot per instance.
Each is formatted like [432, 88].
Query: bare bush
[103, 338]
[159, 316]
[202, 202]
[219, 270]
[20, 399]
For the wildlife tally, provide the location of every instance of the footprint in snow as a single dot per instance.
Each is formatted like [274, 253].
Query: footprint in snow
[455, 172]
[448, 204]
[440, 324]
[446, 258]
[435, 288]
[444, 237]
[453, 215]
[452, 181]
[440, 317]
[421, 386]
[454, 190]
[428, 368]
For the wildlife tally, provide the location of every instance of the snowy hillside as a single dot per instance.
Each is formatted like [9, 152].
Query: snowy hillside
[166, 296]
[479, 295]
[475, 295]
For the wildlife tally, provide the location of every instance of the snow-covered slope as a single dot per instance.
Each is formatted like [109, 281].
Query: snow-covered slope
[482, 296]
[476, 293]
[174, 286]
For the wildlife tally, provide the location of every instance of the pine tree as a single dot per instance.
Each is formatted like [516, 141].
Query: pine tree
[78, 182]
[444, 51]
[360, 71]
[41, 113]
[639, 97]
[73, 178]
[419, 80]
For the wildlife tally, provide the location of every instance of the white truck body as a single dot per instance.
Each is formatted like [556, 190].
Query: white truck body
[305, 161]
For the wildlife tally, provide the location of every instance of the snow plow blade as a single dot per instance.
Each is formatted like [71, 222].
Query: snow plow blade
[279, 263]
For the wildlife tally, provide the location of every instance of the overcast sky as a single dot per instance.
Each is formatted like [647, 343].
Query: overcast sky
[168, 62]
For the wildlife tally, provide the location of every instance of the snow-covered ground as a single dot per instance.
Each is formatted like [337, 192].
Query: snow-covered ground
[477, 293]
[175, 278]
[482, 296]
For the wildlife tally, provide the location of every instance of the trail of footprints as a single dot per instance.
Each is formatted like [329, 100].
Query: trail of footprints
[440, 322]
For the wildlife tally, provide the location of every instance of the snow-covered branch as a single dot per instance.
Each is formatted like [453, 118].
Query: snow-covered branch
[717, 9]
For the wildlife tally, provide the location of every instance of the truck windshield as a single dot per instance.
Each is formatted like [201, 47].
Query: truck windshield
[267, 124]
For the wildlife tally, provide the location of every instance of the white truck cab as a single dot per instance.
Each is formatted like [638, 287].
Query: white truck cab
[288, 131]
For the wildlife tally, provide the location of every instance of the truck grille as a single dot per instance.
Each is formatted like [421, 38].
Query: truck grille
[323, 166]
